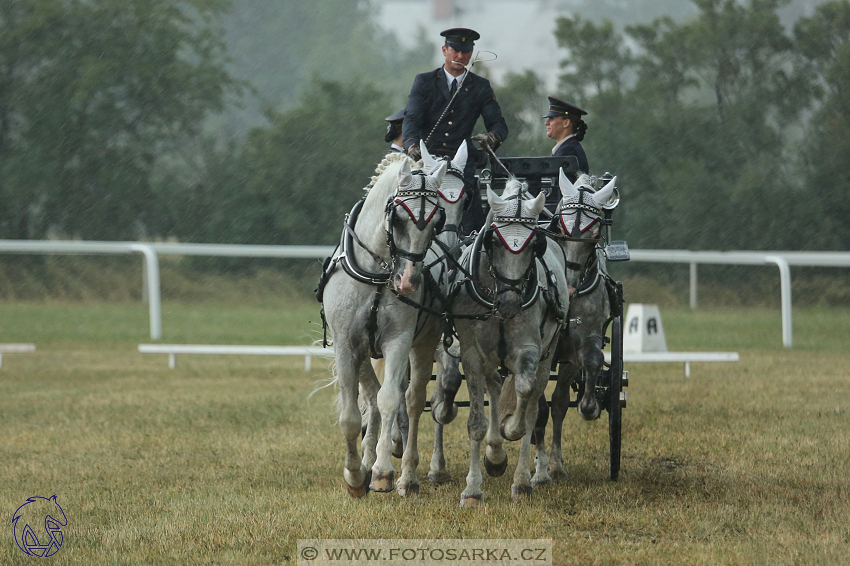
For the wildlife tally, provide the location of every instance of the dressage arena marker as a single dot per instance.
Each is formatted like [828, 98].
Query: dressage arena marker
[173, 349]
[15, 349]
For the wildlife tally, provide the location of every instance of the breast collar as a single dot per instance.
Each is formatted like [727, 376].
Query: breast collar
[346, 256]
[482, 295]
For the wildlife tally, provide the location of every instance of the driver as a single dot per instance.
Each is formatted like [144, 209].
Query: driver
[444, 122]
[565, 126]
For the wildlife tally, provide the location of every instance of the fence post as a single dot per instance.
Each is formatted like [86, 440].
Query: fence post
[693, 285]
[785, 296]
[152, 280]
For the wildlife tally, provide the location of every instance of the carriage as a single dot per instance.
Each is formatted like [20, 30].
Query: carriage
[394, 248]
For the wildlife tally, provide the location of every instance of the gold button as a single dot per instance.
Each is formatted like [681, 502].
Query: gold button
[447, 135]
[450, 122]
[444, 145]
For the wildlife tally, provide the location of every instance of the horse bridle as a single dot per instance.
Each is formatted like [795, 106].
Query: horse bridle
[396, 200]
[520, 284]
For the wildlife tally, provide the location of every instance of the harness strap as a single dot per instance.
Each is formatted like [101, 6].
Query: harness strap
[378, 259]
[372, 324]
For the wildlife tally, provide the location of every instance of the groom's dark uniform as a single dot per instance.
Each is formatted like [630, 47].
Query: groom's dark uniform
[429, 96]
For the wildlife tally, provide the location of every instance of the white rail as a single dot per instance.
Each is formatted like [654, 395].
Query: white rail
[782, 259]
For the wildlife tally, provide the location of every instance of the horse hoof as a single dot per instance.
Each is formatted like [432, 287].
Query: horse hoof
[471, 501]
[521, 491]
[408, 489]
[439, 478]
[444, 416]
[558, 475]
[590, 413]
[398, 452]
[495, 470]
[538, 481]
[358, 492]
[503, 432]
[383, 482]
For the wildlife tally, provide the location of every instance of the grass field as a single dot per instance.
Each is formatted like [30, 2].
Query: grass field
[225, 460]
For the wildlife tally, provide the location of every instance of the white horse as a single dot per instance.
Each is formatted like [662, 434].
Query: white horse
[521, 285]
[454, 197]
[383, 245]
[579, 220]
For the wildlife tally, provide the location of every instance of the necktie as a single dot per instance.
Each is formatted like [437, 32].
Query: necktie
[454, 87]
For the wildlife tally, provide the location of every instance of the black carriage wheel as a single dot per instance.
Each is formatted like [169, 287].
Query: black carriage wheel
[615, 410]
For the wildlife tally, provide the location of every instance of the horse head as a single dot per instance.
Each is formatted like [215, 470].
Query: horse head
[453, 196]
[413, 217]
[580, 218]
[511, 243]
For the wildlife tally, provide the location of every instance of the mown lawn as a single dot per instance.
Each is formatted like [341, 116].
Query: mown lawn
[225, 460]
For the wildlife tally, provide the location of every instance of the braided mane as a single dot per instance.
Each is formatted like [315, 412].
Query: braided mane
[389, 159]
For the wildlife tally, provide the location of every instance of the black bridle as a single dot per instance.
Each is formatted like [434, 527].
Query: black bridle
[424, 193]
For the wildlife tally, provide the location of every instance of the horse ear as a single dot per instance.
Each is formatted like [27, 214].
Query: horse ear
[536, 205]
[440, 173]
[494, 200]
[604, 194]
[428, 162]
[405, 175]
[568, 190]
[459, 161]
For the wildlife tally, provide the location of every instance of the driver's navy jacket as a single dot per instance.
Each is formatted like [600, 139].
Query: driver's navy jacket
[573, 147]
[429, 96]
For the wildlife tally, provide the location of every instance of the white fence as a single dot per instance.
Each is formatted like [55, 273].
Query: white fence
[151, 251]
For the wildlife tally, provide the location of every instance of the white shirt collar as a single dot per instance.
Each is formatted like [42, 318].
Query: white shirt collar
[450, 78]
[398, 147]
[557, 145]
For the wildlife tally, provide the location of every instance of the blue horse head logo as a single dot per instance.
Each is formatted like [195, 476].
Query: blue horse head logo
[36, 514]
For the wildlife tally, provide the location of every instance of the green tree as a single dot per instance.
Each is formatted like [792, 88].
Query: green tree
[823, 41]
[93, 93]
[304, 171]
[699, 131]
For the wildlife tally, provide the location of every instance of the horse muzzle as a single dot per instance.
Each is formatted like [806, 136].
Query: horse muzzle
[407, 278]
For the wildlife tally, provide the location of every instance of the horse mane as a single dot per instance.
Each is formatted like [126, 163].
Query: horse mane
[584, 180]
[388, 160]
[512, 186]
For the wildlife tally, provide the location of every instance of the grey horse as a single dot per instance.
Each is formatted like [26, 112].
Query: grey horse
[579, 220]
[510, 306]
[383, 248]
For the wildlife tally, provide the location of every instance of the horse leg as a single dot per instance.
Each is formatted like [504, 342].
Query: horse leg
[538, 439]
[590, 360]
[560, 404]
[421, 362]
[495, 457]
[449, 379]
[522, 486]
[476, 426]
[401, 424]
[515, 425]
[369, 386]
[355, 473]
[438, 473]
[396, 362]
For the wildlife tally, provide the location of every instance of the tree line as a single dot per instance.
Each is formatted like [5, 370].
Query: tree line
[726, 130]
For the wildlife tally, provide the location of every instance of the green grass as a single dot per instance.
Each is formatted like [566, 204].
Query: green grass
[225, 460]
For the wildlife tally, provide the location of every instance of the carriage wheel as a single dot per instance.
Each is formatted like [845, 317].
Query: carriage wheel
[615, 410]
